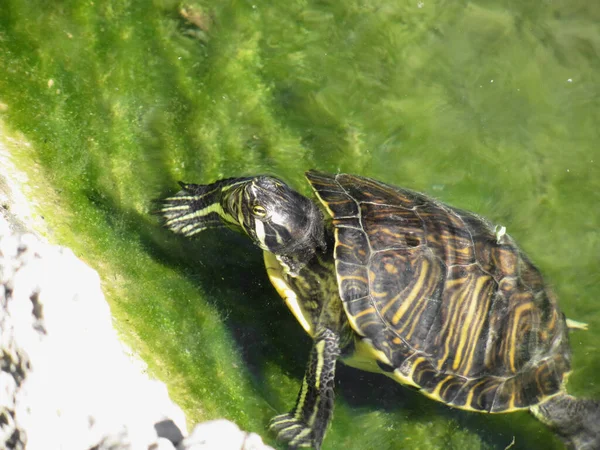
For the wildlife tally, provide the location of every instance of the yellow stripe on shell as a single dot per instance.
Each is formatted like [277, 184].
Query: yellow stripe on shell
[420, 306]
[324, 203]
[453, 304]
[511, 402]
[415, 318]
[469, 400]
[353, 277]
[352, 321]
[480, 315]
[390, 303]
[414, 365]
[436, 392]
[467, 325]
[513, 335]
[407, 302]
[365, 312]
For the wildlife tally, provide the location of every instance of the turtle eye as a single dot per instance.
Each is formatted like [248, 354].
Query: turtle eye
[259, 211]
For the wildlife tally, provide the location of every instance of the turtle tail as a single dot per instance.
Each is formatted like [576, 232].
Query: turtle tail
[576, 421]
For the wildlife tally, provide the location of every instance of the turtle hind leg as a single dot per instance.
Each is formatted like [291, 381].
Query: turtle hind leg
[576, 421]
[306, 424]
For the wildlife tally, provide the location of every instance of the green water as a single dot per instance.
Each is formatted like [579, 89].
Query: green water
[489, 106]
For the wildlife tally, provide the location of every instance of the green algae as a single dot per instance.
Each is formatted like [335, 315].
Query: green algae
[489, 106]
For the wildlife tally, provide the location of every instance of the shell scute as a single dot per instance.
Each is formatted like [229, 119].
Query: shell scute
[353, 281]
[352, 246]
[446, 235]
[391, 226]
[365, 190]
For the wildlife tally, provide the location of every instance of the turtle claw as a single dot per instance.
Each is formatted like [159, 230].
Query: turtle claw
[293, 431]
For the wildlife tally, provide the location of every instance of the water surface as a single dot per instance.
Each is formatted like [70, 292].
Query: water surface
[489, 106]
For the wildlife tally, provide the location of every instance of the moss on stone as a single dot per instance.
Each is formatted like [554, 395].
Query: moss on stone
[490, 107]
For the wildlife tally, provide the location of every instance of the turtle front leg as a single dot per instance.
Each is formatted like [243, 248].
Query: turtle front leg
[305, 425]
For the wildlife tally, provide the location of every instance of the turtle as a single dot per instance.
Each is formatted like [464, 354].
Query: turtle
[390, 280]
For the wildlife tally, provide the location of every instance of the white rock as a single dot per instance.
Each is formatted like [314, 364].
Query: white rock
[66, 380]
[221, 435]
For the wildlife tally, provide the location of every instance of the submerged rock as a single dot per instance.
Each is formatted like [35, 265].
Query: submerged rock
[221, 434]
[66, 381]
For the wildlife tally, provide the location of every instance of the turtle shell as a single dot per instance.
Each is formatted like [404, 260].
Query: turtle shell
[446, 302]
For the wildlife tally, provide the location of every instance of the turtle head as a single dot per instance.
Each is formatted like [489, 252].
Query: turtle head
[277, 218]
